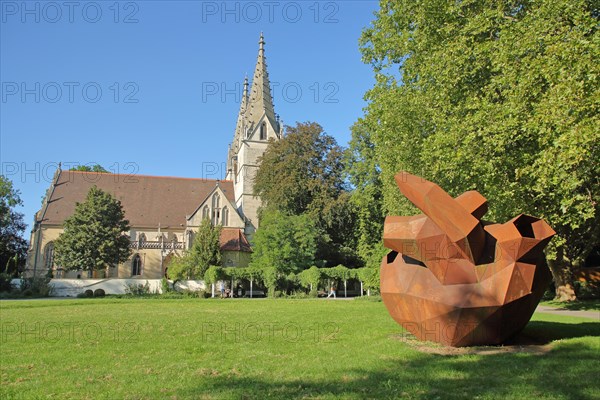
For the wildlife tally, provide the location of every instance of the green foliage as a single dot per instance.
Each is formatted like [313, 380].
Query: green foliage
[501, 97]
[137, 289]
[95, 235]
[364, 174]
[165, 286]
[369, 277]
[284, 243]
[36, 287]
[269, 276]
[12, 227]
[213, 274]
[309, 278]
[87, 168]
[303, 174]
[339, 272]
[5, 282]
[205, 251]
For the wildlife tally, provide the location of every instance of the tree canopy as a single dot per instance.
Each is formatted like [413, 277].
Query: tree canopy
[303, 174]
[364, 174]
[286, 243]
[204, 253]
[88, 168]
[12, 226]
[94, 237]
[501, 97]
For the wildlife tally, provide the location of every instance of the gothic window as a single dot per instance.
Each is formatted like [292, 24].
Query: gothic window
[190, 239]
[225, 217]
[142, 239]
[216, 204]
[205, 212]
[216, 200]
[49, 256]
[136, 266]
[263, 131]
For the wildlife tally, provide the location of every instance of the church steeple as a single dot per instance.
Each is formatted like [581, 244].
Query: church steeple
[261, 102]
[257, 125]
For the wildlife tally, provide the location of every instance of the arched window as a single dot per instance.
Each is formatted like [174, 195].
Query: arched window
[225, 217]
[216, 200]
[190, 239]
[49, 256]
[205, 212]
[263, 131]
[216, 204]
[136, 265]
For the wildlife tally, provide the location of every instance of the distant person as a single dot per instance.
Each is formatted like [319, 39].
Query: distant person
[331, 292]
[222, 289]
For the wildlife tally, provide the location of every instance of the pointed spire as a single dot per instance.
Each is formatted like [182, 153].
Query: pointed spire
[241, 120]
[261, 101]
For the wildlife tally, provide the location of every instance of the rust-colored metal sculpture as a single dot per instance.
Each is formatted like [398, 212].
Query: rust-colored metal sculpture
[454, 279]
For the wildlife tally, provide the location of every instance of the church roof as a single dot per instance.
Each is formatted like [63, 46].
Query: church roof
[234, 240]
[147, 200]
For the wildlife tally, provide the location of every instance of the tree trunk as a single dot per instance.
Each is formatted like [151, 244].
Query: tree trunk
[563, 278]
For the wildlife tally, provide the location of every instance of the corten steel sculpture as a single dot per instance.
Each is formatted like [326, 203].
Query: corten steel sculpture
[454, 279]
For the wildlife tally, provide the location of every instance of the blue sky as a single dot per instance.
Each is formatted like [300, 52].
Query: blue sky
[153, 87]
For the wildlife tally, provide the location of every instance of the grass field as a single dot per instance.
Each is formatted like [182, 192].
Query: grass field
[214, 349]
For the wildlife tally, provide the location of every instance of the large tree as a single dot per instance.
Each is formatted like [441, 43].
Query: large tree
[303, 173]
[94, 237]
[12, 245]
[204, 253]
[364, 174]
[498, 96]
[286, 243]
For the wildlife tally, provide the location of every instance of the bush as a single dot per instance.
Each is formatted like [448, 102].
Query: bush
[5, 282]
[137, 289]
[164, 285]
[36, 287]
[99, 293]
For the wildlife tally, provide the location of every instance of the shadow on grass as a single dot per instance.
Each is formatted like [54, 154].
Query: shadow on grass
[567, 372]
[544, 332]
[579, 305]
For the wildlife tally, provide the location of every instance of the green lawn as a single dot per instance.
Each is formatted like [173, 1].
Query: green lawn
[214, 349]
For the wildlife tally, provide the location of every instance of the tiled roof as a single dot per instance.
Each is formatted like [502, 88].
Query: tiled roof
[234, 240]
[147, 200]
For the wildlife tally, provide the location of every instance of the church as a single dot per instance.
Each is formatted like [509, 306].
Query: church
[165, 212]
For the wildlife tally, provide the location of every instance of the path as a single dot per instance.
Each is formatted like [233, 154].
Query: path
[595, 314]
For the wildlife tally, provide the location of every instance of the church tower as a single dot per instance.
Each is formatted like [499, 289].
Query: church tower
[257, 123]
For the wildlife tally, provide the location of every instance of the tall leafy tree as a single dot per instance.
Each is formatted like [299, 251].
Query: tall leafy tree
[303, 173]
[497, 96]
[12, 245]
[286, 243]
[204, 253]
[94, 237]
[364, 174]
